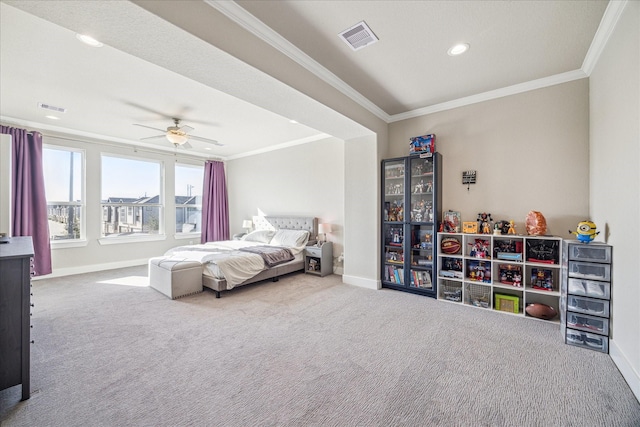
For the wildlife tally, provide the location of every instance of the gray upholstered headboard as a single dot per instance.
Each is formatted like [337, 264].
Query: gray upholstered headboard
[308, 223]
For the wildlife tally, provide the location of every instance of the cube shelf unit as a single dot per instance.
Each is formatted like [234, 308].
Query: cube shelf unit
[500, 272]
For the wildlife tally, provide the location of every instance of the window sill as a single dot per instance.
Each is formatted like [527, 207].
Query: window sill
[185, 236]
[131, 239]
[64, 244]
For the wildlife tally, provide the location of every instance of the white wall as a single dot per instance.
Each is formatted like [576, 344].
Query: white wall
[304, 180]
[615, 181]
[362, 207]
[530, 151]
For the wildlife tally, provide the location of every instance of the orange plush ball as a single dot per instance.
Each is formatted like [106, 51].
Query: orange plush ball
[450, 245]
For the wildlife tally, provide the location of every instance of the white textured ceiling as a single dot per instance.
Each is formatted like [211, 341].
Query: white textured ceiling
[151, 70]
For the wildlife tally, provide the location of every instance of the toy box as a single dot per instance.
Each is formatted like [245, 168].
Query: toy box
[425, 144]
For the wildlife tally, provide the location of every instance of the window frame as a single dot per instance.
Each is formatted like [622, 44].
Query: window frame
[111, 239]
[189, 234]
[82, 240]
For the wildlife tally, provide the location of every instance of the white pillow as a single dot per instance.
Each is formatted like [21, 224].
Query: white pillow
[290, 238]
[262, 236]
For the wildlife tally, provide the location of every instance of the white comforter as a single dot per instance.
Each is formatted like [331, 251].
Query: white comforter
[237, 266]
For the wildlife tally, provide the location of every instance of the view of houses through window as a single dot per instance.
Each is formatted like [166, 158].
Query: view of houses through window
[131, 202]
[64, 181]
[188, 183]
[131, 195]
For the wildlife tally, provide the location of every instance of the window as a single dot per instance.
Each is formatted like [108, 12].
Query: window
[135, 186]
[188, 189]
[64, 182]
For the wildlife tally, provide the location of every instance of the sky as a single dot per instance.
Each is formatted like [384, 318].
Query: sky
[123, 177]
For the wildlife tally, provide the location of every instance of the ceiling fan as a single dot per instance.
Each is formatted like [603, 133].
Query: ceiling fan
[178, 135]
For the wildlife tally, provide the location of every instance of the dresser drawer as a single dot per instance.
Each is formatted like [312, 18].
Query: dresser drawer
[590, 253]
[589, 270]
[587, 340]
[594, 307]
[589, 288]
[584, 322]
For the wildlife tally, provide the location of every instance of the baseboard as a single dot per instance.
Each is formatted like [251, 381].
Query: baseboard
[61, 272]
[625, 368]
[360, 281]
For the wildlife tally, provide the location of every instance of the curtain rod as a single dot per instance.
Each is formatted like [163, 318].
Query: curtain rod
[123, 145]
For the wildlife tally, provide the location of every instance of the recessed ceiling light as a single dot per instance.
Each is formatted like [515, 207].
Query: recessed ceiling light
[293, 121]
[207, 148]
[53, 117]
[458, 49]
[89, 40]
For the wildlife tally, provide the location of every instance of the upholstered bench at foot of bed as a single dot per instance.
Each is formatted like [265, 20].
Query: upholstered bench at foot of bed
[175, 277]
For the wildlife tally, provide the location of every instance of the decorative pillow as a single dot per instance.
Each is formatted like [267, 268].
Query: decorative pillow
[262, 236]
[290, 238]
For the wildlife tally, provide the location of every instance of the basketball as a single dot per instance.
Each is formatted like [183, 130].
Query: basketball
[450, 245]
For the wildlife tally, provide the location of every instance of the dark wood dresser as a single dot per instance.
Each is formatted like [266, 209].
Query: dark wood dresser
[15, 309]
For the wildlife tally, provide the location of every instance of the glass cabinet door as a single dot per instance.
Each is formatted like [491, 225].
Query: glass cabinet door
[421, 184]
[422, 256]
[393, 186]
[393, 241]
[394, 218]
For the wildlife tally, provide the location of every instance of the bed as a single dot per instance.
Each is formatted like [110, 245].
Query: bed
[275, 247]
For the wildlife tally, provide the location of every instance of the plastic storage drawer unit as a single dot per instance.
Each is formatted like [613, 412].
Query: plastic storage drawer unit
[590, 288]
[590, 253]
[587, 340]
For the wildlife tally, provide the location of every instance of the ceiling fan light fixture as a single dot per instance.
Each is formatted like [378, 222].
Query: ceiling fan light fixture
[176, 138]
[458, 49]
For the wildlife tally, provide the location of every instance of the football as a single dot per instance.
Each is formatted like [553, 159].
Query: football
[450, 245]
[541, 311]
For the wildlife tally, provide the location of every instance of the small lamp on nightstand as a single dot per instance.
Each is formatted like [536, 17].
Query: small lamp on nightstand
[247, 224]
[324, 229]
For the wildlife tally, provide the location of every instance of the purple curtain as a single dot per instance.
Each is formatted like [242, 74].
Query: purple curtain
[28, 200]
[215, 208]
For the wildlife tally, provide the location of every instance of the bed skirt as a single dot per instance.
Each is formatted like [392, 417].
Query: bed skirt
[219, 285]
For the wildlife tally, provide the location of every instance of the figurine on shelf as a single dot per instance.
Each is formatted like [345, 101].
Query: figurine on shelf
[484, 222]
[512, 228]
[585, 232]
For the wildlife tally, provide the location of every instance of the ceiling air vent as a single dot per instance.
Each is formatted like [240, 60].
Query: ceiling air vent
[358, 36]
[52, 107]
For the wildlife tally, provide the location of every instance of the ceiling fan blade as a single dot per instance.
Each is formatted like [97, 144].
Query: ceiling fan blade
[186, 129]
[153, 137]
[187, 145]
[149, 127]
[211, 141]
[148, 110]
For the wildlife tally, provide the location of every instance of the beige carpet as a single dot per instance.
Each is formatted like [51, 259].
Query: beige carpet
[304, 351]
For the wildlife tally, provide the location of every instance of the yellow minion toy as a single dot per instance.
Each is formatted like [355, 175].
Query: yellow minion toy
[585, 232]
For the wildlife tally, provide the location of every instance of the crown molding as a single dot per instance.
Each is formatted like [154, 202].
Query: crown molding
[250, 23]
[493, 94]
[256, 27]
[608, 23]
[87, 137]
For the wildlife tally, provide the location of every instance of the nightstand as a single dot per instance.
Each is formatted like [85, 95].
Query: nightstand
[318, 260]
